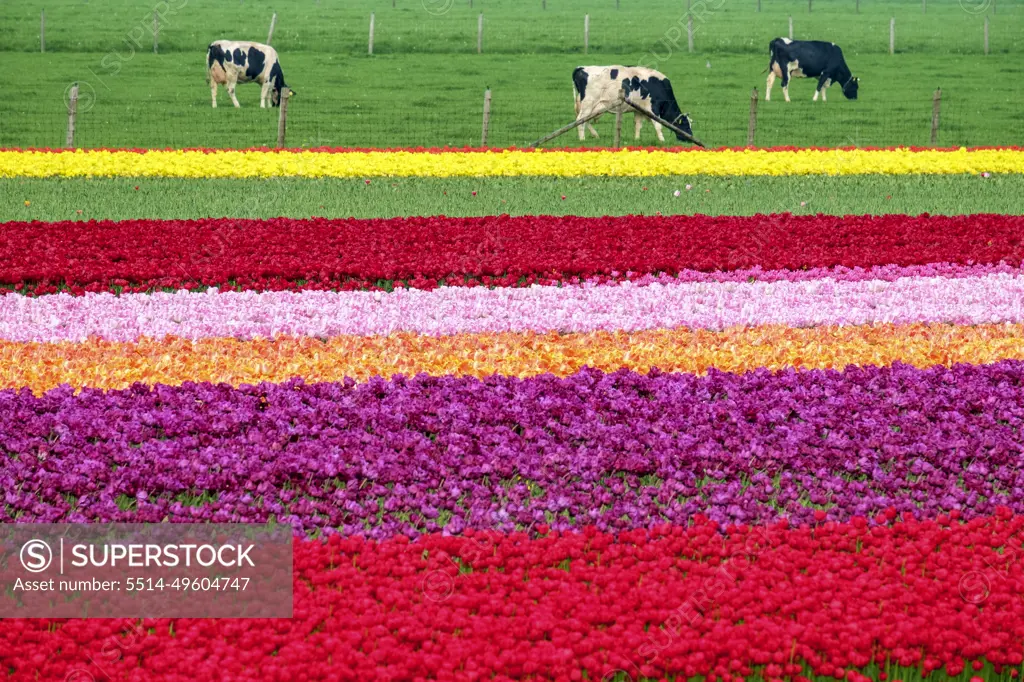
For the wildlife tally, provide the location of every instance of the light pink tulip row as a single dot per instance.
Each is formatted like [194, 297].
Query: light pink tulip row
[987, 298]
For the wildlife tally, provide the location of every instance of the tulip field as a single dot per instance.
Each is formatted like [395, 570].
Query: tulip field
[665, 443]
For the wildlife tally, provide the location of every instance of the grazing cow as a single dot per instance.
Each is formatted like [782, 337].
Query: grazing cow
[229, 62]
[598, 88]
[809, 59]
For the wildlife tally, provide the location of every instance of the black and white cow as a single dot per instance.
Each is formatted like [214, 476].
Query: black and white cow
[809, 59]
[598, 88]
[229, 62]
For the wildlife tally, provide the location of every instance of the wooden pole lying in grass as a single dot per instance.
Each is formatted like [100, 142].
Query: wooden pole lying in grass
[752, 125]
[372, 17]
[285, 94]
[892, 35]
[986, 35]
[270, 33]
[566, 128]
[42, 31]
[156, 31]
[480, 34]
[689, 33]
[618, 130]
[69, 141]
[487, 117]
[936, 101]
[671, 126]
[586, 33]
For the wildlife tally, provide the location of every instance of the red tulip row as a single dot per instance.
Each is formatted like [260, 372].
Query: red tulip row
[283, 253]
[779, 603]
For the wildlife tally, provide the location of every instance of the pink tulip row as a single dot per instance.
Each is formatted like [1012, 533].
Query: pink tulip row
[989, 298]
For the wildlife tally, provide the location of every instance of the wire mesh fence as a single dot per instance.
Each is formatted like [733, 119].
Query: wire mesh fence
[321, 121]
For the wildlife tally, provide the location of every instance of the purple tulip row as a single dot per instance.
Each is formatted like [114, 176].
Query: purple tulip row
[443, 453]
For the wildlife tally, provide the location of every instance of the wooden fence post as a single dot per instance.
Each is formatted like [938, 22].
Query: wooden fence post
[42, 31]
[616, 4]
[618, 130]
[156, 30]
[487, 117]
[480, 34]
[858, 6]
[689, 32]
[758, 5]
[270, 33]
[986, 35]
[285, 93]
[791, 28]
[936, 101]
[892, 35]
[924, 6]
[752, 125]
[69, 141]
[586, 33]
[372, 18]
[808, 6]
[543, 4]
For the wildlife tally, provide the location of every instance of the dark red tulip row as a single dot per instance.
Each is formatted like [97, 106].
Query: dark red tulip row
[775, 603]
[283, 253]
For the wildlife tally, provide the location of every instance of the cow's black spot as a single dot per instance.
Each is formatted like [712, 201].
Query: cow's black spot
[635, 83]
[645, 90]
[227, 57]
[214, 53]
[239, 57]
[579, 79]
[256, 61]
[614, 73]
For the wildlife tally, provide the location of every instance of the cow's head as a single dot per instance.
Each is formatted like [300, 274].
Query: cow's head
[850, 89]
[683, 121]
[277, 77]
[275, 94]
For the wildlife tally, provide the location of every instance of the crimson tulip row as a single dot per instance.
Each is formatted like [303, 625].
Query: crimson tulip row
[425, 252]
[726, 603]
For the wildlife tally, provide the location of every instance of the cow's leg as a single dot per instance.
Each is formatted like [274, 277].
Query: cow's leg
[590, 124]
[231, 91]
[638, 122]
[265, 95]
[581, 129]
[768, 85]
[820, 89]
[785, 84]
[657, 129]
[213, 92]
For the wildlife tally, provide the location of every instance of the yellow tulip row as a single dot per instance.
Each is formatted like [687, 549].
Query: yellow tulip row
[509, 162]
